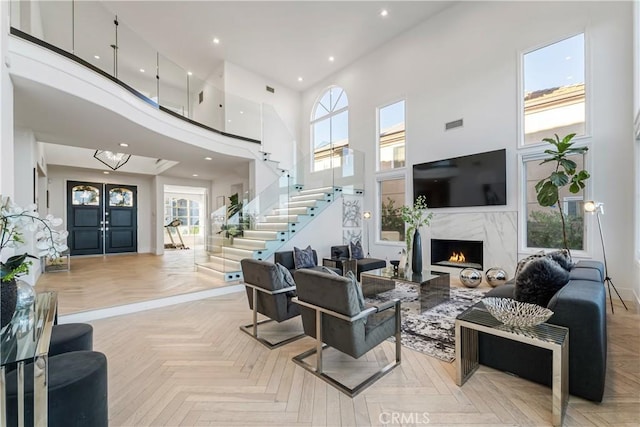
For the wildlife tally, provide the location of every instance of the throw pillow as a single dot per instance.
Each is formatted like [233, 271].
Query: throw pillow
[523, 262]
[351, 276]
[286, 279]
[562, 257]
[356, 250]
[328, 270]
[303, 258]
[539, 280]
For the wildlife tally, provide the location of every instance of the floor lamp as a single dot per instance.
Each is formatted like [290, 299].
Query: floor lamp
[597, 208]
[367, 216]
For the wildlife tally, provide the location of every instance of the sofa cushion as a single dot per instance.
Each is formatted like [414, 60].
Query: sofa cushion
[303, 258]
[356, 250]
[539, 280]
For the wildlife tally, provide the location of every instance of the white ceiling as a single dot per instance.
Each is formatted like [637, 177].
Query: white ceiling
[281, 40]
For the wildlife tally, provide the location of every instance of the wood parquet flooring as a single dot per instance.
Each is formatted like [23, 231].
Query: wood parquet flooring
[189, 365]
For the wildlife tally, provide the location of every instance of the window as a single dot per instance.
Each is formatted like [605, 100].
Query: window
[391, 136]
[392, 197]
[330, 129]
[185, 210]
[85, 195]
[544, 227]
[554, 90]
[121, 197]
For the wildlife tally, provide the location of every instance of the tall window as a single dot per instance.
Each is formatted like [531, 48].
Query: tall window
[544, 227]
[330, 129]
[391, 196]
[391, 136]
[186, 210]
[554, 90]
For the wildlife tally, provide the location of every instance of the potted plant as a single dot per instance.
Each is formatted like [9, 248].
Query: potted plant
[565, 173]
[415, 217]
[15, 223]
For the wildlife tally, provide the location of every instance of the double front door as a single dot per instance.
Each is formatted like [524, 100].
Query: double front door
[101, 218]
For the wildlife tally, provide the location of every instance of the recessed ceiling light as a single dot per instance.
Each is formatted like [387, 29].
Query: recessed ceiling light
[195, 174]
[229, 120]
[208, 158]
[96, 56]
[142, 70]
[105, 172]
[189, 73]
[123, 144]
[241, 112]
[567, 58]
[299, 79]
[216, 40]
[384, 12]
[331, 59]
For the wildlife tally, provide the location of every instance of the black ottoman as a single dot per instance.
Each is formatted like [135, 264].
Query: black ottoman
[77, 391]
[71, 337]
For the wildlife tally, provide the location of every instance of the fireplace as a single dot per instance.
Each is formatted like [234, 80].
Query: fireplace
[457, 253]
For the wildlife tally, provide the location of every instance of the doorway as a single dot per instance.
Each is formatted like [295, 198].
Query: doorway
[101, 218]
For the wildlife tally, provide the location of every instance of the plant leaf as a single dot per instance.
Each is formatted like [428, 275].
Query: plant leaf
[547, 194]
[559, 179]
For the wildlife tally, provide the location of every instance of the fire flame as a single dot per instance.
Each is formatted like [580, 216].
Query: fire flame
[457, 257]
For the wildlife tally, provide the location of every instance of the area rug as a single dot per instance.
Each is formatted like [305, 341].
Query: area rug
[433, 331]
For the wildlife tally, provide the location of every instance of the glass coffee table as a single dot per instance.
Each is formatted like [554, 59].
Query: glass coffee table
[434, 285]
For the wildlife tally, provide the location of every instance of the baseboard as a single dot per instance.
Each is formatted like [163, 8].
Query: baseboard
[102, 313]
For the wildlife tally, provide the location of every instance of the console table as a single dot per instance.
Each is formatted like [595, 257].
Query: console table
[27, 339]
[551, 337]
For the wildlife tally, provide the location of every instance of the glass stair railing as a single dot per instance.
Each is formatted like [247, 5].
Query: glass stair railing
[266, 223]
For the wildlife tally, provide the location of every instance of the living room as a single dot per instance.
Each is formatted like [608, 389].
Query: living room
[464, 63]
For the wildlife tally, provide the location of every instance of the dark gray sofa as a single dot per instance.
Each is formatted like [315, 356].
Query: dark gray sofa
[580, 306]
[286, 258]
[341, 252]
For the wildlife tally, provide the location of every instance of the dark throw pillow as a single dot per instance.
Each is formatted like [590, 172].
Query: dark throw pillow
[286, 280]
[523, 262]
[351, 276]
[539, 280]
[356, 250]
[562, 257]
[303, 258]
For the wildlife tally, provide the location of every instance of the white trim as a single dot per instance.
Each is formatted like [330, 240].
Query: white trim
[387, 176]
[103, 313]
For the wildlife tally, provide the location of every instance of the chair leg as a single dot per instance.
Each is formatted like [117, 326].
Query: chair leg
[398, 333]
[319, 341]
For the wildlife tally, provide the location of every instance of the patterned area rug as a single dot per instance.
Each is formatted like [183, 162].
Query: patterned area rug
[433, 331]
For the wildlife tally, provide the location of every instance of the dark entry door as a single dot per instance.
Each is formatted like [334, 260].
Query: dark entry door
[121, 218]
[85, 217]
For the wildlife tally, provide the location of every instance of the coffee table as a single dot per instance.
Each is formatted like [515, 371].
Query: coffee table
[434, 285]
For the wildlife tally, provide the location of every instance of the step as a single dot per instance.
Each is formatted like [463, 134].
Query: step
[325, 190]
[291, 211]
[281, 218]
[272, 226]
[237, 254]
[262, 235]
[310, 196]
[222, 264]
[303, 203]
[251, 244]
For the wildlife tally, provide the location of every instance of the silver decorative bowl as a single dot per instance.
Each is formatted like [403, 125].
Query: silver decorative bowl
[470, 277]
[496, 276]
[516, 313]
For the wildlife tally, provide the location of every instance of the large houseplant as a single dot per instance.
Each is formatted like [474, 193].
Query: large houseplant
[564, 173]
[15, 224]
[415, 217]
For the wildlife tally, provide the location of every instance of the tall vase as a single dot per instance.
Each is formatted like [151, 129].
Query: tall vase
[416, 255]
[8, 298]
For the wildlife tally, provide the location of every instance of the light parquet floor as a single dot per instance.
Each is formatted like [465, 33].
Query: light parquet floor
[189, 365]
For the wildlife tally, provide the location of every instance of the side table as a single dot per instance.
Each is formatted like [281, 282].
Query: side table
[551, 337]
[344, 264]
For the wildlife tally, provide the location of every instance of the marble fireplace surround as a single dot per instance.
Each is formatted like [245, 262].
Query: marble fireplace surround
[497, 230]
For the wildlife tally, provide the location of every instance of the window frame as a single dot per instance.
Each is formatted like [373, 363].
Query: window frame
[378, 156]
[587, 90]
[313, 121]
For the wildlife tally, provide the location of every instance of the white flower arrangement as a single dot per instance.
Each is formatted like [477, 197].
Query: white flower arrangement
[15, 222]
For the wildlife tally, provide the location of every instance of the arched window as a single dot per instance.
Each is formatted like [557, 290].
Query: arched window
[330, 129]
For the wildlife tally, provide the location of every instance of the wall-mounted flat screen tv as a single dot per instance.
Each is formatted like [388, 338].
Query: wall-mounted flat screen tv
[473, 180]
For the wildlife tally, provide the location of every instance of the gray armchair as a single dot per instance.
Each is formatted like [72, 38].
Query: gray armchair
[270, 295]
[332, 314]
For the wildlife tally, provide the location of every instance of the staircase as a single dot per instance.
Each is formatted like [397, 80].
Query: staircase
[268, 234]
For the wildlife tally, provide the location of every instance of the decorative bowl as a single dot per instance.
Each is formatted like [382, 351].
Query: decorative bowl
[516, 313]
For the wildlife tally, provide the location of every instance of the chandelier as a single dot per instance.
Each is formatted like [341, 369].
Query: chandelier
[111, 159]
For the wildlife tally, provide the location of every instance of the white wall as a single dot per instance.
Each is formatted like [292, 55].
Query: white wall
[463, 63]
[6, 107]
[636, 111]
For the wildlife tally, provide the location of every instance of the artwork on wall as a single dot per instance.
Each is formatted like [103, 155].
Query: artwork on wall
[351, 235]
[351, 212]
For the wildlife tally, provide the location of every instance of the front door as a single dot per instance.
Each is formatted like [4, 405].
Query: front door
[101, 218]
